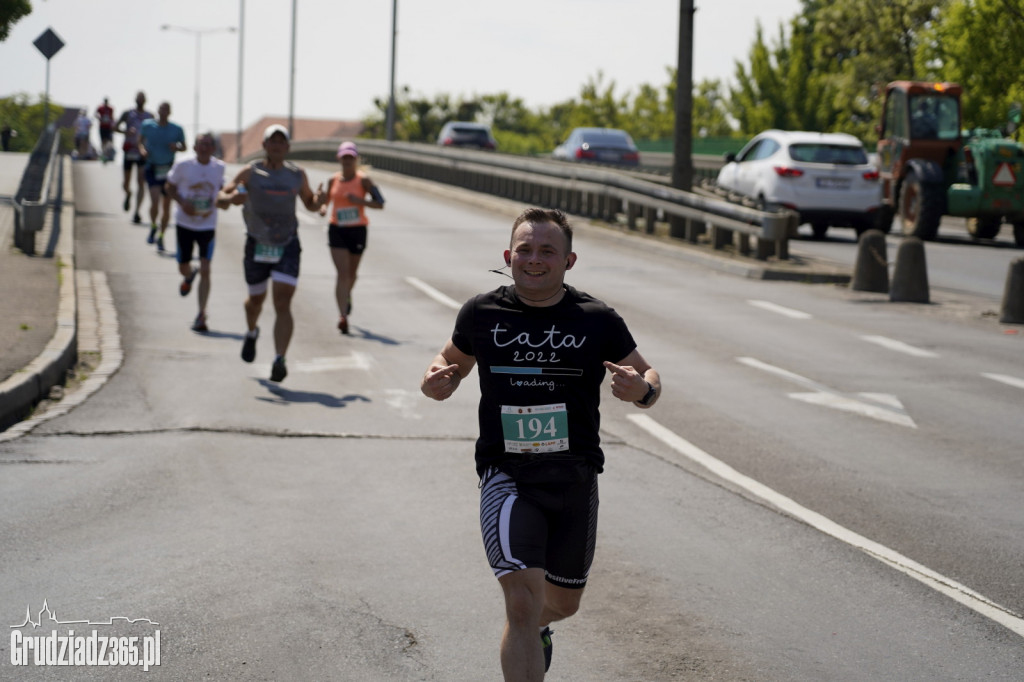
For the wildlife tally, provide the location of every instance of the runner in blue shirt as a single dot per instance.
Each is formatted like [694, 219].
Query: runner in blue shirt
[160, 140]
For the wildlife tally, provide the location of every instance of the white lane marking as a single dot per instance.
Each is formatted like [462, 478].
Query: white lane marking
[404, 401]
[899, 346]
[355, 360]
[433, 293]
[938, 582]
[781, 310]
[890, 411]
[880, 406]
[1008, 380]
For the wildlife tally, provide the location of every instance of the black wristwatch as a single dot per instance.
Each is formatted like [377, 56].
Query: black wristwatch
[648, 397]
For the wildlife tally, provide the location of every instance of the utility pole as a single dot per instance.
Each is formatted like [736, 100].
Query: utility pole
[291, 78]
[390, 121]
[682, 162]
[241, 61]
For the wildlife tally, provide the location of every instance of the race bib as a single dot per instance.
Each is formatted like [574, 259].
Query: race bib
[202, 205]
[347, 216]
[535, 428]
[267, 253]
[161, 171]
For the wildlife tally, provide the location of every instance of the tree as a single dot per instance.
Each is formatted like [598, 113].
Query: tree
[26, 119]
[10, 12]
[864, 44]
[980, 44]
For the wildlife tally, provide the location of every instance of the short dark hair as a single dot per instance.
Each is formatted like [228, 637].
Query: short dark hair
[543, 215]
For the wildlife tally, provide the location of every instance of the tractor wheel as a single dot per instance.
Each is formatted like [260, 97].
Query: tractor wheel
[986, 227]
[1018, 234]
[921, 207]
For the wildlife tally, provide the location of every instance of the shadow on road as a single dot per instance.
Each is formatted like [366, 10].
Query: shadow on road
[284, 396]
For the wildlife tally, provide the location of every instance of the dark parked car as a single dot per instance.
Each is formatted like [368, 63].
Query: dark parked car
[599, 145]
[465, 134]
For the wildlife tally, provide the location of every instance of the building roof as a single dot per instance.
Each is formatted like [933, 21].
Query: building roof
[302, 129]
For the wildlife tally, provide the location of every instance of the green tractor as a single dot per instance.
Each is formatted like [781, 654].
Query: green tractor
[930, 168]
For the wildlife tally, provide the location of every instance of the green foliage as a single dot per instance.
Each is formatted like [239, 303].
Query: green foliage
[10, 12]
[826, 70]
[26, 119]
[980, 44]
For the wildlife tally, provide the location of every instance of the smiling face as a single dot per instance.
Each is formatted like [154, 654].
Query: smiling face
[539, 256]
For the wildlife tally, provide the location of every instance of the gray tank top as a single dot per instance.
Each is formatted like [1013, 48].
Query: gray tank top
[270, 211]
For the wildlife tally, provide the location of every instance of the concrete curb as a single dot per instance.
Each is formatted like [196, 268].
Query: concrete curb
[20, 392]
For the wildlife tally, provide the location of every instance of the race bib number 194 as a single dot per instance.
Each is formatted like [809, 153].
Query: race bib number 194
[535, 428]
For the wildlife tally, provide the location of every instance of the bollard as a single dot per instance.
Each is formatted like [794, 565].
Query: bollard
[910, 277]
[1013, 295]
[871, 270]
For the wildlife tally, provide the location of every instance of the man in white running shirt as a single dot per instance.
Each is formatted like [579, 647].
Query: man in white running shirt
[193, 184]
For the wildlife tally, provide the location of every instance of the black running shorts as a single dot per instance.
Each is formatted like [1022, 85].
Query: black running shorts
[285, 270]
[551, 526]
[187, 238]
[352, 239]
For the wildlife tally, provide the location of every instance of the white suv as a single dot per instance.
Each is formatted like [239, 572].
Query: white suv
[825, 177]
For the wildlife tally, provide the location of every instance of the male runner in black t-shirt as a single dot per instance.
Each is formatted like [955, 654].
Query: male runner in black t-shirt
[542, 348]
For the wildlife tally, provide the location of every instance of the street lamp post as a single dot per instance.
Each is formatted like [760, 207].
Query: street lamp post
[198, 33]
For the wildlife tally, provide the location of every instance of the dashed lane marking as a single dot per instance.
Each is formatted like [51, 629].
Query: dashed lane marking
[900, 347]
[1002, 378]
[781, 310]
[881, 406]
[433, 293]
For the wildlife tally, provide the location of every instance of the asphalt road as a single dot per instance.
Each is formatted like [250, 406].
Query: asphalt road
[829, 488]
[956, 262]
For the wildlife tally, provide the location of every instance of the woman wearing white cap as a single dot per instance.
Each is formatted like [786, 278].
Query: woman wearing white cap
[350, 192]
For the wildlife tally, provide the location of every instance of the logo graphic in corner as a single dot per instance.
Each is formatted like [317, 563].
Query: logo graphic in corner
[89, 649]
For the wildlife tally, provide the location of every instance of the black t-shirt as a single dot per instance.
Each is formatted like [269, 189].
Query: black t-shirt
[540, 373]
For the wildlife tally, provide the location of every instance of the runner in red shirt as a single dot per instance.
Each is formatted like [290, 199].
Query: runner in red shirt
[105, 114]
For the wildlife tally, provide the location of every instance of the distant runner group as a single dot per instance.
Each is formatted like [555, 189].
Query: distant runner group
[266, 189]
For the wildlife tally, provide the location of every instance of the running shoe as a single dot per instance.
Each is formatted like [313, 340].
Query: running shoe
[343, 325]
[186, 284]
[278, 371]
[545, 642]
[199, 325]
[136, 219]
[152, 235]
[127, 200]
[249, 345]
[160, 243]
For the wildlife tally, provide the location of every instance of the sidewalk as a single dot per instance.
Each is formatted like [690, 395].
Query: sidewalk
[37, 302]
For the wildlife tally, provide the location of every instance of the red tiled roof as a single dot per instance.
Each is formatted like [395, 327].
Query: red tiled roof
[304, 129]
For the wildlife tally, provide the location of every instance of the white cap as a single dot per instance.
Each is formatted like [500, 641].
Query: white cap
[276, 128]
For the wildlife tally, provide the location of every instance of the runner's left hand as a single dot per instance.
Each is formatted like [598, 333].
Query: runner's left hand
[627, 384]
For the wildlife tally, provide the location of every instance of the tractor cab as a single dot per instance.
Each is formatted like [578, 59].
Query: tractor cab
[920, 121]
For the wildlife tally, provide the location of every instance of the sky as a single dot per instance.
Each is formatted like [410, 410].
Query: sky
[542, 51]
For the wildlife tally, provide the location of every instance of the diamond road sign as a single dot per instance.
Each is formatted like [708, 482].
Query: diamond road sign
[49, 43]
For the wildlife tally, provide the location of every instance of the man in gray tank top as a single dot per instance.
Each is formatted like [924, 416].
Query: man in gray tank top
[266, 190]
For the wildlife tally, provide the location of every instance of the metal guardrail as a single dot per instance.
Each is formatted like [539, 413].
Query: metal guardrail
[32, 200]
[601, 193]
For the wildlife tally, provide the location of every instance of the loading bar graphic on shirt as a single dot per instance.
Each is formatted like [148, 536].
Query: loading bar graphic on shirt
[545, 371]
